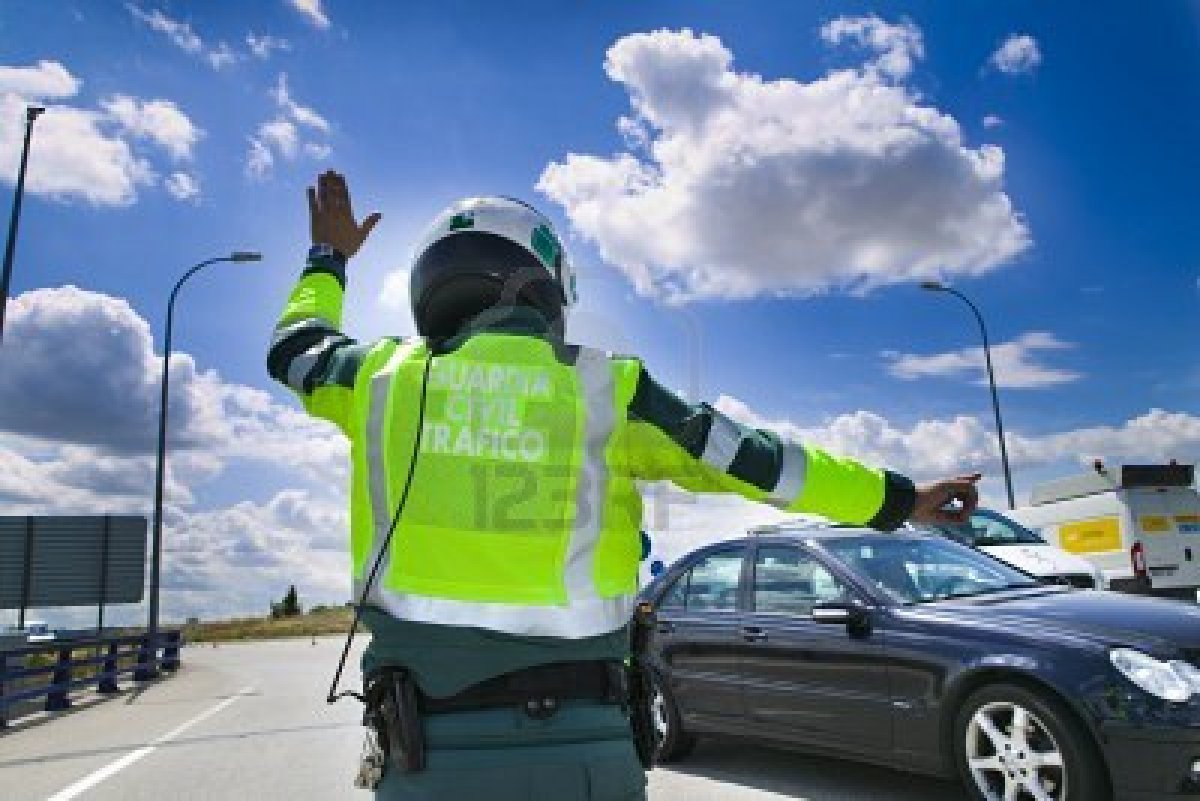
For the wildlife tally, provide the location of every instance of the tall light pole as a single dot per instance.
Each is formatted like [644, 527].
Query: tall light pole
[31, 114]
[937, 286]
[160, 468]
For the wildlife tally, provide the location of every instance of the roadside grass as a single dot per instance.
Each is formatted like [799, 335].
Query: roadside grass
[318, 621]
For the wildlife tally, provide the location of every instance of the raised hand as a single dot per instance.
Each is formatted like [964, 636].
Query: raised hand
[950, 501]
[331, 218]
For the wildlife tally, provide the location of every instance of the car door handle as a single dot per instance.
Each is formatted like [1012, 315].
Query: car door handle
[753, 634]
[665, 628]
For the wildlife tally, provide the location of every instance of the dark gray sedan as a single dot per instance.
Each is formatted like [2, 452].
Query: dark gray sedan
[919, 653]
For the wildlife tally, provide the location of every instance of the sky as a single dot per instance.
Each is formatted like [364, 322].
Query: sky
[751, 193]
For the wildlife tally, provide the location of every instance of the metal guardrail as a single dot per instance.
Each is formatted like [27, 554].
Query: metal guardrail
[23, 680]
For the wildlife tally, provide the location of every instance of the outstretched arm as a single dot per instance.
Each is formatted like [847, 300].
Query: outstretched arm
[309, 354]
[701, 449]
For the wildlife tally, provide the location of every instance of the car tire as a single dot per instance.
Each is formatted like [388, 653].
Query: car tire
[671, 742]
[1007, 734]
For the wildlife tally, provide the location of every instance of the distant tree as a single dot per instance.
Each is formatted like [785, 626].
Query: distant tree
[291, 603]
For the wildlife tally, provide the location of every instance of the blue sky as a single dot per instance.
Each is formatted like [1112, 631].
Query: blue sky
[755, 230]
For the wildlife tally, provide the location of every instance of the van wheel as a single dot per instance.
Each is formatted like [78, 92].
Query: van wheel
[671, 742]
[1014, 744]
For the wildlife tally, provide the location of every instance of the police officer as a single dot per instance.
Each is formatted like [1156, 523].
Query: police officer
[493, 500]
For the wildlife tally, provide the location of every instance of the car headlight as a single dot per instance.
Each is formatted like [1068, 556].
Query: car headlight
[1161, 679]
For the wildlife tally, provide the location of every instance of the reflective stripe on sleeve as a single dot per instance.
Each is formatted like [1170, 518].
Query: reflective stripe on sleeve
[793, 468]
[724, 438]
[300, 326]
[302, 366]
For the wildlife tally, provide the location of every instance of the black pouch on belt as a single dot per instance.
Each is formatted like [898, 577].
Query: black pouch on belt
[394, 711]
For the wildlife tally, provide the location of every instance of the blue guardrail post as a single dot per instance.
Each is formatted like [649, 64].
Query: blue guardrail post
[108, 679]
[170, 659]
[147, 661]
[3, 682]
[58, 698]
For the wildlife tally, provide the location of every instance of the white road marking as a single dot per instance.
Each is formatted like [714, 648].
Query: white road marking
[94, 778]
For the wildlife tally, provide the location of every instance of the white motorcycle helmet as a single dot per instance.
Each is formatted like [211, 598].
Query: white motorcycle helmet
[488, 252]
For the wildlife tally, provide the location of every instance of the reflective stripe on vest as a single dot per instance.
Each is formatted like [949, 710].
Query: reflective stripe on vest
[585, 612]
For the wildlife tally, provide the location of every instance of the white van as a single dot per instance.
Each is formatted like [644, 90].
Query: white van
[1140, 525]
[1010, 542]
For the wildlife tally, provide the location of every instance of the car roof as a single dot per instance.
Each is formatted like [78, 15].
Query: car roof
[833, 531]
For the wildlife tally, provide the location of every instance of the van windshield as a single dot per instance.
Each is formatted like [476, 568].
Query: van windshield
[987, 528]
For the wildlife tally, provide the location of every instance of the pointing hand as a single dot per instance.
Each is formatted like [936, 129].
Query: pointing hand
[950, 501]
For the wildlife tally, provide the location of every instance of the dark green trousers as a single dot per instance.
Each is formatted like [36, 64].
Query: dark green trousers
[582, 753]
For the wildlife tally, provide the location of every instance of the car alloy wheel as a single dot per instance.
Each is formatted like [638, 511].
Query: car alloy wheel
[658, 715]
[671, 742]
[1013, 756]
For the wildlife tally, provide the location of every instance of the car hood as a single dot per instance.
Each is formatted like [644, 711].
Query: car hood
[1106, 618]
[1041, 560]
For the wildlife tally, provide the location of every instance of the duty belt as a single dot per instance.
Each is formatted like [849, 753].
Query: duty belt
[395, 704]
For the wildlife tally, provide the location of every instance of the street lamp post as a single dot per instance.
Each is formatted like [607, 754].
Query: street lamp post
[937, 286]
[160, 468]
[31, 114]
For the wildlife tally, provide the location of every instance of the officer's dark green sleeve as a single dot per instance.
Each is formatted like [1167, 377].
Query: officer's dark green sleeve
[308, 353]
[703, 450]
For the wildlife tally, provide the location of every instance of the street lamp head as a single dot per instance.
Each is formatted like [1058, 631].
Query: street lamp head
[245, 255]
[32, 112]
[933, 286]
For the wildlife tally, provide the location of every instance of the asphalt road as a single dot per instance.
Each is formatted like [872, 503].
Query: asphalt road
[249, 721]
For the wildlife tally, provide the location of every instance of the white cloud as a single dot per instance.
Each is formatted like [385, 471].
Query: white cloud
[182, 186]
[1014, 363]
[926, 450]
[281, 134]
[84, 441]
[316, 151]
[280, 137]
[394, 294]
[180, 33]
[221, 56]
[936, 448]
[304, 115]
[74, 156]
[48, 79]
[751, 186]
[259, 159]
[183, 37]
[898, 46]
[92, 358]
[161, 121]
[86, 153]
[312, 11]
[263, 46]
[992, 121]
[1019, 53]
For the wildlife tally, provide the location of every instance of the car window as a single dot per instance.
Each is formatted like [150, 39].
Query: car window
[713, 582]
[789, 581]
[987, 528]
[677, 595]
[922, 569]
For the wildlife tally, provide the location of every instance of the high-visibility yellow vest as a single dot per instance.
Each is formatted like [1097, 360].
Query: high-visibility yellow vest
[523, 516]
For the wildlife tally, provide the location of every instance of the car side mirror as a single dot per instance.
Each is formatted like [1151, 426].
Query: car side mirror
[834, 613]
[851, 614]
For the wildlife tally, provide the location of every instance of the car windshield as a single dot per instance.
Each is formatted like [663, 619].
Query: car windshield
[924, 569]
[988, 528]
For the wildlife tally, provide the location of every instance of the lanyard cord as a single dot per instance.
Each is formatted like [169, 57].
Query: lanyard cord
[334, 696]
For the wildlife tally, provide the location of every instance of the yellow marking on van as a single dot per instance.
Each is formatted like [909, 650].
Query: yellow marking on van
[1187, 518]
[1097, 535]
[1155, 524]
